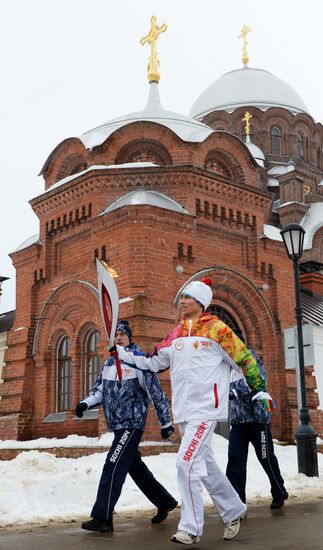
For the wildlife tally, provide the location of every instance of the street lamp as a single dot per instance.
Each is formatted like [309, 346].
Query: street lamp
[293, 237]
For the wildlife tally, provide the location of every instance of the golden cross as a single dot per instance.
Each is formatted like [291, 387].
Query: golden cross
[246, 119]
[244, 31]
[151, 38]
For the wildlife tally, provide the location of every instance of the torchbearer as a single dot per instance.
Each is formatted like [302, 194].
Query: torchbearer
[200, 353]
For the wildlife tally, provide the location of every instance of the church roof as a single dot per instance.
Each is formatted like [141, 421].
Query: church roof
[312, 309]
[7, 319]
[188, 129]
[142, 196]
[247, 87]
[256, 152]
[34, 239]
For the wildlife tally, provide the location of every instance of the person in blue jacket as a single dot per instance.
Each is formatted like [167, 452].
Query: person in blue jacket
[250, 423]
[125, 407]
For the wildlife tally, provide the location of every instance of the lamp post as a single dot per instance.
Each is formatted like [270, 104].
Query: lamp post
[293, 237]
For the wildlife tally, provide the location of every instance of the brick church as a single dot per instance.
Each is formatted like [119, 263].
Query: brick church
[165, 198]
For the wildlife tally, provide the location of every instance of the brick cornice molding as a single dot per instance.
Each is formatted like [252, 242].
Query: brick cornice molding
[149, 178]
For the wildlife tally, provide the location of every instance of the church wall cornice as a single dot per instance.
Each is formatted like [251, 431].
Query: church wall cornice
[168, 178]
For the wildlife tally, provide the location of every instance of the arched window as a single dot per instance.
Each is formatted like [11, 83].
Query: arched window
[92, 360]
[64, 375]
[251, 135]
[276, 140]
[227, 318]
[300, 145]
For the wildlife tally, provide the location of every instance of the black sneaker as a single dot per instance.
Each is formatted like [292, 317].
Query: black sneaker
[98, 525]
[162, 513]
[279, 502]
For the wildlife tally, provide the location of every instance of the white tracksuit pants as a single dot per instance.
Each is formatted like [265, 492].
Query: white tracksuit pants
[196, 467]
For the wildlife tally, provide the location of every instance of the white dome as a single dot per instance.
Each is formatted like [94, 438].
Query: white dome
[247, 87]
[188, 129]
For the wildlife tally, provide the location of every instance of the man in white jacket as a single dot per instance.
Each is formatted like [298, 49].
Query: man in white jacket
[200, 353]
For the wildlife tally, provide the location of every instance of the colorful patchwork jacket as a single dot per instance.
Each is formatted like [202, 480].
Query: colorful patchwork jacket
[243, 410]
[125, 403]
[200, 355]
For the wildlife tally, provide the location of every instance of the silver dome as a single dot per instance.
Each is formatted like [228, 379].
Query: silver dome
[247, 87]
[188, 129]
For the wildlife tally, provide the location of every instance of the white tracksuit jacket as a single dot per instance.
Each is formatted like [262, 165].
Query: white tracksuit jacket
[200, 356]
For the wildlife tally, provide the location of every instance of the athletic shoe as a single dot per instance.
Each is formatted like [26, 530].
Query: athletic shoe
[277, 503]
[162, 513]
[98, 525]
[232, 529]
[182, 537]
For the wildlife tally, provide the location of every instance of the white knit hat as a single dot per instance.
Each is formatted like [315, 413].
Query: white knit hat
[201, 291]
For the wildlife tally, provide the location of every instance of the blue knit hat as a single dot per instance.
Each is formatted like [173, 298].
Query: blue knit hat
[123, 326]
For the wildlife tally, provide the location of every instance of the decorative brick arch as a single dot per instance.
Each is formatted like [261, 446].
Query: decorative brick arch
[69, 309]
[219, 162]
[144, 150]
[222, 162]
[244, 301]
[70, 305]
[71, 165]
[68, 157]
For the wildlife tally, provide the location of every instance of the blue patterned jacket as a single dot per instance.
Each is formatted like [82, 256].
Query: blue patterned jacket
[243, 410]
[125, 403]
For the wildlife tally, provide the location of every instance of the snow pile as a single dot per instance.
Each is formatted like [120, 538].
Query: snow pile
[38, 487]
[71, 441]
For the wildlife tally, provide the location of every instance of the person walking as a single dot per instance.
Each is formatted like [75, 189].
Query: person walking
[200, 353]
[250, 423]
[125, 407]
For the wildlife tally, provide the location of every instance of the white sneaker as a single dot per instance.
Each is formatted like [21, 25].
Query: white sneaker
[182, 537]
[232, 529]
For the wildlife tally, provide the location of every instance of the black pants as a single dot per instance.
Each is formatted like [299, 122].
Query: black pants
[260, 436]
[124, 458]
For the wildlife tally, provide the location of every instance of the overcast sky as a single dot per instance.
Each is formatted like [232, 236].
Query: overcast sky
[70, 65]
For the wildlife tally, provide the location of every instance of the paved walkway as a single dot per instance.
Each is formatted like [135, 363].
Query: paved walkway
[295, 527]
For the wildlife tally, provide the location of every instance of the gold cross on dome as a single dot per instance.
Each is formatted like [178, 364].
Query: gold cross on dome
[247, 117]
[244, 31]
[151, 38]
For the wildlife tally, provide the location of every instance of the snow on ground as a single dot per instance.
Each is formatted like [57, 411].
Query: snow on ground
[71, 441]
[37, 487]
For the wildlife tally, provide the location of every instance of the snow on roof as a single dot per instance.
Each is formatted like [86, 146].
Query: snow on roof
[250, 87]
[281, 169]
[142, 196]
[188, 129]
[98, 167]
[272, 182]
[272, 233]
[311, 222]
[28, 242]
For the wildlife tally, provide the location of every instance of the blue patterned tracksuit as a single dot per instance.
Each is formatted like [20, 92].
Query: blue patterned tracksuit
[125, 407]
[250, 422]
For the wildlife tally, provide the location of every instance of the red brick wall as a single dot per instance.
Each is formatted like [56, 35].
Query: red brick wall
[252, 277]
